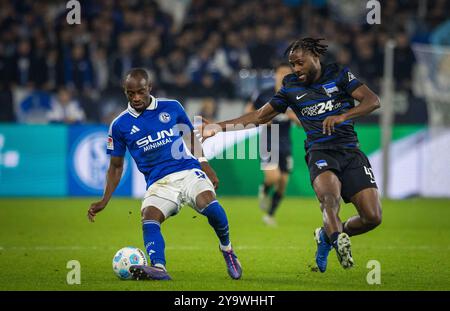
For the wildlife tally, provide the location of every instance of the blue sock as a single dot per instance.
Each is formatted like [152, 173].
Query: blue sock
[154, 242]
[218, 220]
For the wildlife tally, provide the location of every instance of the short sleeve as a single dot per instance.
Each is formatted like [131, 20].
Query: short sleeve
[348, 81]
[182, 117]
[280, 102]
[115, 144]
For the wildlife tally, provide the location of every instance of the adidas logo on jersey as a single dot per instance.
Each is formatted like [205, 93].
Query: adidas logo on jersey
[134, 129]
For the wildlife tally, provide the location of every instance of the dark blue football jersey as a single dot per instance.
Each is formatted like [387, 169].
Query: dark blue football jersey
[259, 100]
[330, 95]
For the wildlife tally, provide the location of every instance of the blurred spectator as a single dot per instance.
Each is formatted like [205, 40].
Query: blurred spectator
[101, 70]
[262, 52]
[7, 110]
[235, 55]
[204, 72]
[122, 61]
[6, 99]
[208, 109]
[403, 62]
[38, 66]
[368, 68]
[32, 107]
[441, 36]
[22, 64]
[148, 53]
[112, 104]
[203, 52]
[344, 57]
[78, 70]
[173, 74]
[65, 109]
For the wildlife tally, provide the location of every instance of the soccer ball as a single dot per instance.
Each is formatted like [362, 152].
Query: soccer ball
[126, 257]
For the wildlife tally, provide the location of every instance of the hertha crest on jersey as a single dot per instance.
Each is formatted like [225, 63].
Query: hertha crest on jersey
[330, 88]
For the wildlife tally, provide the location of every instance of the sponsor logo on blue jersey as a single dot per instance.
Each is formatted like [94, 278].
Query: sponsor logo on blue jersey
[156, 140]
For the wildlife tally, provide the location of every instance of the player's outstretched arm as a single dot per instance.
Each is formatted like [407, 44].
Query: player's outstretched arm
[368, 102]
[261, 116]
[113, 177]
[293, 117]
[196, 149]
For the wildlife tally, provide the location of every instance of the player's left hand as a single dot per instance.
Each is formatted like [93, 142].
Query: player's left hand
[94, 209]
[329, 123]
[210, 173]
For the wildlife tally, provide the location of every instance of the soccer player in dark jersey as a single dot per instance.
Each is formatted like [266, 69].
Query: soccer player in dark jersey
[275, 174]
[323, 98]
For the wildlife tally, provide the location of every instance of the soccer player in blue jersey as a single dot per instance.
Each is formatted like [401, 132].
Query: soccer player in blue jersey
[156, 131]
[323, 98]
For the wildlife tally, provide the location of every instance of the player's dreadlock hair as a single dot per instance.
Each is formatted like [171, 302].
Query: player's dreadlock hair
[311, 45]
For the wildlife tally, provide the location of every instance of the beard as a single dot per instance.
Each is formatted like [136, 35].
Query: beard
[310, 76]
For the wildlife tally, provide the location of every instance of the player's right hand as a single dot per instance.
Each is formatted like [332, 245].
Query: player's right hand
[207, 129]
[94, 209]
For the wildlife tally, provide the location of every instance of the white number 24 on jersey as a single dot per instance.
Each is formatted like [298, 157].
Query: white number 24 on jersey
[324, 107]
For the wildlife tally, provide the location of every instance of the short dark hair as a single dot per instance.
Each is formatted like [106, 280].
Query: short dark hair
[138, 73]
[311, 45]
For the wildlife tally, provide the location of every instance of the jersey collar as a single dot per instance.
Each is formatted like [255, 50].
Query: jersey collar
[152, 106]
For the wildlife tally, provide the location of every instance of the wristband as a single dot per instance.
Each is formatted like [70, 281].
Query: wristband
[202, 159]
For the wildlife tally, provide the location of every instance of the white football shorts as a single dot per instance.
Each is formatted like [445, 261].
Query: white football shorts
[170, 192]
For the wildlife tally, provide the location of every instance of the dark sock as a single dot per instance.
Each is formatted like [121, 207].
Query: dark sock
[327, 239]
[266, 188]
[276, 198]
[333, 239]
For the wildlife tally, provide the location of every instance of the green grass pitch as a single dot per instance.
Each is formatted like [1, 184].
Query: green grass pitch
[39, 237]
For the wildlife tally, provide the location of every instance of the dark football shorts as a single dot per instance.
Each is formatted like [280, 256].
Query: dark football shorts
[285, 163]
[351, 166]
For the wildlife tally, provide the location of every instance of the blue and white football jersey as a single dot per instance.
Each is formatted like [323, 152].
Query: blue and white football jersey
[153, 138]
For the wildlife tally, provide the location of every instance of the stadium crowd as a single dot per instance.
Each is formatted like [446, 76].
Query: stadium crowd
[51, 71]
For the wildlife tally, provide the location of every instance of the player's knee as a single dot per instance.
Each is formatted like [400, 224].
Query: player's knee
[204, 199]
[372, 220]
[152, 213]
